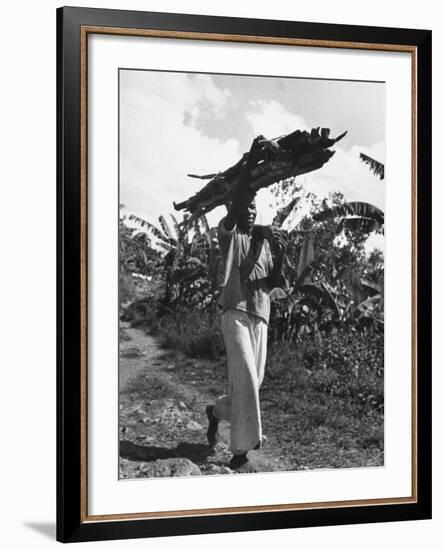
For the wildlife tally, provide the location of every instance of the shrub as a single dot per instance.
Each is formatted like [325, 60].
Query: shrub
[126, 287]
[345, 363]
[196, 333]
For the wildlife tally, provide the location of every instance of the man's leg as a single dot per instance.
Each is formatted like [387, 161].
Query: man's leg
[221, 410]
[212, 432]
[240, 344]
[260, 342]
[222, 407]
[245, 341]
[260, 348]
[223, 404]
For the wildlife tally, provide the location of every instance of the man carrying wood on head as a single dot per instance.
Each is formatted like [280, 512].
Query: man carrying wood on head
[250, 273]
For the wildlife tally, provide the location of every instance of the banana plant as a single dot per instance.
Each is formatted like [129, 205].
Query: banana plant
[305, 305]
[374, 165]
[136, 253]
[353, 216]
[191, 261]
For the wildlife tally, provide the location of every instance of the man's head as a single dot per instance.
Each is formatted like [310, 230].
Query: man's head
[246, 218]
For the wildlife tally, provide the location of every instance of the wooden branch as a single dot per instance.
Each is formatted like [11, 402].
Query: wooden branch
[290, 155]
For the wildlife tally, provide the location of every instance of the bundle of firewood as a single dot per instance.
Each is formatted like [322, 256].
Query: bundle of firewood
[279, 159]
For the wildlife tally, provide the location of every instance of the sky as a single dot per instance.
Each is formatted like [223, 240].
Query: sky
[175, 123]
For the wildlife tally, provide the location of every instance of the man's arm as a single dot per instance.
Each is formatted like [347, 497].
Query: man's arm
[242, 195]
[275, 277]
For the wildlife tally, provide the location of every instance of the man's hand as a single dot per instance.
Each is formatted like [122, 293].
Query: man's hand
[280, 240]
[242, 195]
[254, 156]
[256, 150]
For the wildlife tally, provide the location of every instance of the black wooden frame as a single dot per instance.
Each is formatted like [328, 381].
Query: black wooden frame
[70, 527]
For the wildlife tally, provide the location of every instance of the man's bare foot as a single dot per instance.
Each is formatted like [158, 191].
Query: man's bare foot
[238, 460]
[212, 433]
[242, 465]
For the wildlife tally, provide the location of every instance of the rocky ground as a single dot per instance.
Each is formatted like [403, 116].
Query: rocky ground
[163, 423]
[163, 396]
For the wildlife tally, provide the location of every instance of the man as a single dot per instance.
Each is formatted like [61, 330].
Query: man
[250, 274]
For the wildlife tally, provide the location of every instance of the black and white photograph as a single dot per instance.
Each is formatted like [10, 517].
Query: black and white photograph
[251, 274]
[219, 216]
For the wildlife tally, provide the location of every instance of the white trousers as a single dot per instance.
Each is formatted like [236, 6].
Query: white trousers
[245, 339]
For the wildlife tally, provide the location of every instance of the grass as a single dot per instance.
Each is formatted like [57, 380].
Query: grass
[196, 333]
[330, 414]
[321, 399]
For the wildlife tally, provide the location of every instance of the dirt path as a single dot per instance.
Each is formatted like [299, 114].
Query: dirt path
[163, 396]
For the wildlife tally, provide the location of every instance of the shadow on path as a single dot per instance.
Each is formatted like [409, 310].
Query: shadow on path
[196, 452]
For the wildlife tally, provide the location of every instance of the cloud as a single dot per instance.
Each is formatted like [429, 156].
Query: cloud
[375, 241]
[209, 102]
[159, 143]
[344, 172]
[272, 119]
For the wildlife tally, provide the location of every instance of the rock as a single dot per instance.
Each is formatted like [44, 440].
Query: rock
[170, 467]
[131, 351]
[195, 426]
[136, 408]
[140, 428]
[249, 467]
[215, 469]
